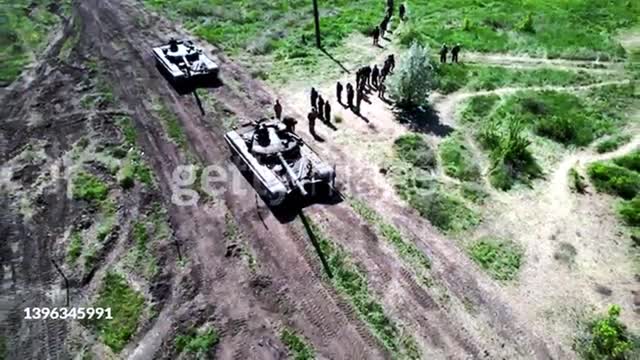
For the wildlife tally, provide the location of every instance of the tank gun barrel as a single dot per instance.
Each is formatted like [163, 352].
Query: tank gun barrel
[291, 175]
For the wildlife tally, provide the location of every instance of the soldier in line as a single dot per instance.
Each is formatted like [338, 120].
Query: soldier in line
[327, 111]
[402, 11]
[381, 90]
[454, 53]
[358, 77]
[277, 108]
[443, 53]
[366, 75]
[390, 6]
[375, 73]
[384, 73]
[339, 89]
[320, 106]
[290, 123]
[312, 121]
[314, 97]
[376, 35]
[383, 26]
[391, 60]
[350, 95]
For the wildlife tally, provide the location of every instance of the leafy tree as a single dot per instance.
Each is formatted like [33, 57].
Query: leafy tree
[413, 80]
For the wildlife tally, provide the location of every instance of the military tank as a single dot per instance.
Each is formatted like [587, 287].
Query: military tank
[280, 161]
[182, 60]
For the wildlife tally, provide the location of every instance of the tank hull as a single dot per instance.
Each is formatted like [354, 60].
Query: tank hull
[180, 68]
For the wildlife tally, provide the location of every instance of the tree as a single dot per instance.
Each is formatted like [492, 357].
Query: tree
[413, 80]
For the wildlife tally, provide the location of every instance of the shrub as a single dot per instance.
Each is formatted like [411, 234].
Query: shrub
[466, 24]
[299, 349]
[629, 211]
[502, 259]
[197, 343]
[612, 143]
[457, 159]
[479, 107]
[444, 211]
[574, 130]
[630, 161]
[409, 34]
[413, 79]
[474, 192]
[126, 176]
[88, 187]
[576, 181]
[606, 338]
[75, 247]
[614, 179]
[413, 149]
[526, 24]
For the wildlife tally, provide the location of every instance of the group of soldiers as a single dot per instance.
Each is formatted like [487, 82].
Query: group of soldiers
[454, 53]
[320, 109]
[367, 79]
[380, 30]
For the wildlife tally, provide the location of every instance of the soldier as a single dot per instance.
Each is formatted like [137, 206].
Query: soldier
[339, 92]
[384, 73]
[327, 111]
[376, 35]
[314, 97]
[392, 62]
[277, 108]
[350, 95]
[375, 73]
[366, 75]
[454, 53]
[443, 53]
[312, 121]
[402, 10]
[289, 123]
[358, 77]
[390, 6]
[320, 106]
[381, 90]
[383, 26]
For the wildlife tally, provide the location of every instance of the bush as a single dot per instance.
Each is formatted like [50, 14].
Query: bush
[409, 34]
[576, 181]
[126, 176]
[198, 343]
[606, 338]
[444, 211]
[413, 80]
[630, 161]
[526, 24]
[474, 192]
[612, 143]
[457, 159]
[413, 149]
[299, 349]
[479, 107]
[574, 130]
[614, 179]
[502, 259]
[88, 187]
[629, 211]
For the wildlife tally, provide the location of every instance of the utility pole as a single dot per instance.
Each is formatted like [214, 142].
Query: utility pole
[317, 21]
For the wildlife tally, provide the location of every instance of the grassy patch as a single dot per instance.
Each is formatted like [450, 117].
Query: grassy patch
[479, 107]
[197, 343]
[413, 149]
[630, 161]
[629, 211]
[171, 124]
[89, 187]
[352, 283]
[128, 130]
[606, 337]
[126, 308]
[612, 143]
[445, 211]
[501, 259]
[74, 249]
[406, 249]
[613, 179]
[473, 192]
[457, 159]
[133, 169]
[298, 348]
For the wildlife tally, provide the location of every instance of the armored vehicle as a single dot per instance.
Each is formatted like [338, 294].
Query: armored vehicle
[280, 161]
[183, 60]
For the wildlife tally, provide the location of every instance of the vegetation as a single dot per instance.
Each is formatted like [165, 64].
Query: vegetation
[412, 81]
[413, 149]
[126, 307]
[457, 159]
[576, 181]
[350, 281]
[89, 187]
[445, 211]
[607, 338]
[197, 343]
[297, 347]
[133, 169]
[613, 179]
[473, 192]
[479, 107]
[629, 211]
[74, 248]
[612, 143]
[630, 161]
[171, 124]
[500, 258]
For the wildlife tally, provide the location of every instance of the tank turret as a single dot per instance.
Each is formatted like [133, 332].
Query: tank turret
[183, 60]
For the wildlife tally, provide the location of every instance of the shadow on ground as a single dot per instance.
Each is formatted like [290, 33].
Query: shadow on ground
[424, 120]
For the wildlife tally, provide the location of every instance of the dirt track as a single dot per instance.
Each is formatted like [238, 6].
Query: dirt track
[288, 286]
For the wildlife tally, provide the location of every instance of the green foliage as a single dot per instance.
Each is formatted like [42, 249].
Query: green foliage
[409, 34]
[413, 149]
[126, 176]
[526, 24]
[607, 338]
[132, 169]
[126, 307]
[473, 192]
[297, 347]
[466, 24]
[140, 237]
[613, 179]
[478, 108]
[629, 211]
[576, 181]
[88, 187]
[352, 283]
[197, 343]
[630, 161]
[501, 259]
[74, 248]
[445, 211]
[457, 159]
[171, 124]
[612, 143]
[128, 130]
[413, 79]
